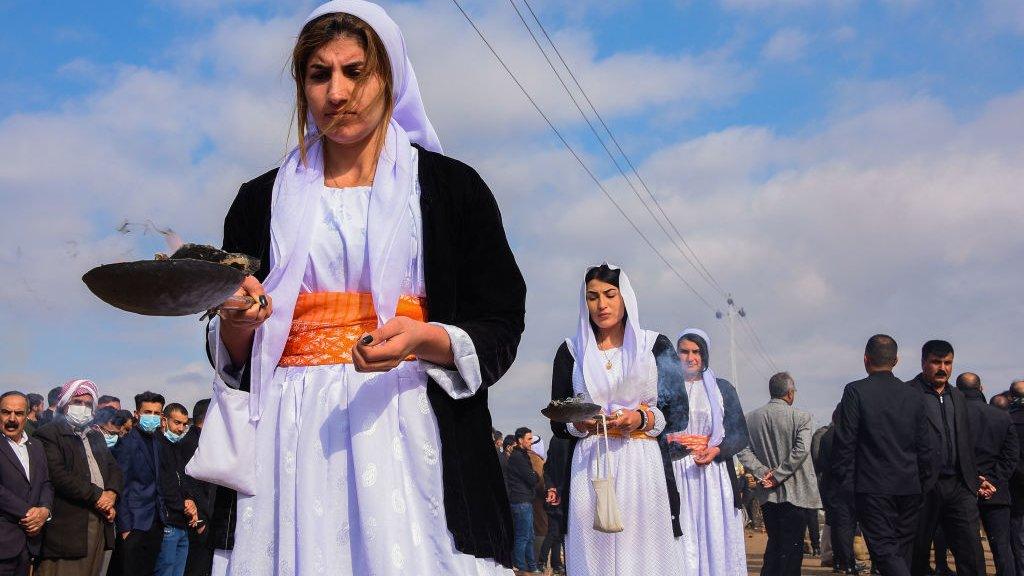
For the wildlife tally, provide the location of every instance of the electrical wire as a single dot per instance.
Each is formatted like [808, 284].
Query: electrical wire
[579, 159]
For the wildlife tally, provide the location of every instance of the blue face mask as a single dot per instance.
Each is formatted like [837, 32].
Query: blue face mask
[172, 437]
[149, 422]
[111, 439]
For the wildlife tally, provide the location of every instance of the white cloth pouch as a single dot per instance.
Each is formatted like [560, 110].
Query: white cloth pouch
[226, 455]
[606, 517]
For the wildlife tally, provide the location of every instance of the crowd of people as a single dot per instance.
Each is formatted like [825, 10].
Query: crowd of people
[916, 469]
[89, 488]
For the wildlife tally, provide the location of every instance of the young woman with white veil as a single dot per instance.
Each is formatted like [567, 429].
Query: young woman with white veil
[619, 366]
[373, 450]
[712, 543]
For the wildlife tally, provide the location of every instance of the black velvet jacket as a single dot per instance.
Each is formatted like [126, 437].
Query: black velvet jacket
[672, 402]
[472, 282]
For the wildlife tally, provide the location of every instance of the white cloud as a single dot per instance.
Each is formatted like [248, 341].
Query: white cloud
[895, 213]
[786, 45]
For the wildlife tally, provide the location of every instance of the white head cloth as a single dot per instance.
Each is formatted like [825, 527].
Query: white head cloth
[636, 354]
[73, 388]
[298, 186]
[711, 389]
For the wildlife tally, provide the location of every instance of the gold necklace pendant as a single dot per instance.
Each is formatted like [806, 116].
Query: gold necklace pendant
[608, 365]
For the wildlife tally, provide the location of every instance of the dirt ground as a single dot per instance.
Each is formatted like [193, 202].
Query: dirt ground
[812, 566]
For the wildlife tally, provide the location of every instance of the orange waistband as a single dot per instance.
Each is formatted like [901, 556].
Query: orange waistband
[691, 441]
[326, 325]
[634, 435]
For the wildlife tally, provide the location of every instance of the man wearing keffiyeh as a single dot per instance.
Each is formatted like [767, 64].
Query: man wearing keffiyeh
[86, 486]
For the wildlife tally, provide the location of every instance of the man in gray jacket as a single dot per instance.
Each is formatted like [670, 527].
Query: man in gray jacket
[779, 455]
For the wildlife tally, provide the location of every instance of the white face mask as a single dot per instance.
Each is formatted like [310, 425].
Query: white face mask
[79, 415]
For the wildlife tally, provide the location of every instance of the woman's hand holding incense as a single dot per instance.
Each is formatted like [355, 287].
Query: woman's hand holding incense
[587, 426]
[706, 456]
[400, 337]
[237, 327]
[625, 421]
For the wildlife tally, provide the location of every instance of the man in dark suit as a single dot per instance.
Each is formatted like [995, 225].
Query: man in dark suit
[952, 499]
[1016, 484]
[26, 495]
[140, 523]
[201, 494]
[881, 456]
[996, 452]
[86, 482]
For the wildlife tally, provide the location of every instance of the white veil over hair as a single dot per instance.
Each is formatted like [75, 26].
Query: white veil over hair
[298, 185]
[636, 354]
[710, 382]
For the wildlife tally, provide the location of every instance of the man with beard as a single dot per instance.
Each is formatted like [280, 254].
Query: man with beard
[86, 484]
[996, 452]
[952, 499]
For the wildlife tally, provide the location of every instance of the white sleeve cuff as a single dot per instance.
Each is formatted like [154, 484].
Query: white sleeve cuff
[659, 422]
[571, 429]
[221, 360]
[466, 379]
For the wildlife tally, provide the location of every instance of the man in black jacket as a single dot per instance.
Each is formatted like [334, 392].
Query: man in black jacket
[1016, 487]
[87, 484]
[952, 499]
[996, 452]
[177, 511]
[522, 486]
[881, 457]
[200, 494]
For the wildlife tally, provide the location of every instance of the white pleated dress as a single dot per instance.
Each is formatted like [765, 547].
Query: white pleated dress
[348, 470]
[646, 545]
[712, 543]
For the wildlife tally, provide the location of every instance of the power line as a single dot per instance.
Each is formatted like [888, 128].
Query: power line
[579, 159]
[758, 345]
[695, 262]
[699, 266]
[600, 139]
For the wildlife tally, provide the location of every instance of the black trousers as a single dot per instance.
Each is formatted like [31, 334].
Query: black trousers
[785, 524]
[552, 545]
[842, 523]
[941, 551]
[17, 565]
[889, 524]
[136, 555]
[813, 530]
[996, 520]
[1017, 541]
[951, 504]
[200, 554]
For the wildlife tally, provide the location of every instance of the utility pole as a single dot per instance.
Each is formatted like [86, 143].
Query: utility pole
[731, 312]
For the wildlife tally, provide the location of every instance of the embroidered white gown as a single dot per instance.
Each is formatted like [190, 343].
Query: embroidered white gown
[712, 543]
[646, 545]
[348, 464]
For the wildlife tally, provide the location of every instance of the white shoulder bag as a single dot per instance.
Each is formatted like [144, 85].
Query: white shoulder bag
[606, 517]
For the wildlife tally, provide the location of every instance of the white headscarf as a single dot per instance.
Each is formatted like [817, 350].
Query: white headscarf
[636, 354]
[298, 185]
[711, 389]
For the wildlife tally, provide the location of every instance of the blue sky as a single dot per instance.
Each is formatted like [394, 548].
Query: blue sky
[843, 167]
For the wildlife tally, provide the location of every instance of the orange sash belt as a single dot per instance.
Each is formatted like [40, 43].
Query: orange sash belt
[326, 325]
[692, 441]
[635, 434]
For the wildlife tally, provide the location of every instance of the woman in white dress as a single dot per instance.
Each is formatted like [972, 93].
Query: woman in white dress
[617, 365]
[712, 543]
[373, 452]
